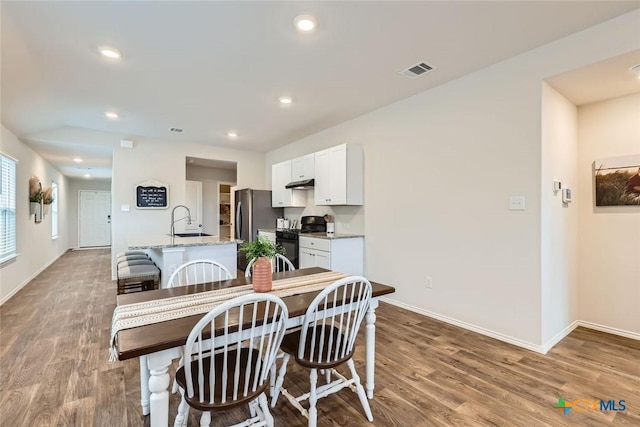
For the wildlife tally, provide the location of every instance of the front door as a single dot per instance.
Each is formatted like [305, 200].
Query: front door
[94, 218]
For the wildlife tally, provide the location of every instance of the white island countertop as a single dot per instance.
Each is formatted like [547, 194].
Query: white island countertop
[158, 241]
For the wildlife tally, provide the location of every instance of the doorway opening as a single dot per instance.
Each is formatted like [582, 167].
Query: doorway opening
[216, 179]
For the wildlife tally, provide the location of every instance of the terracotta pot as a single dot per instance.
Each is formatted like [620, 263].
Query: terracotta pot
[261, 275]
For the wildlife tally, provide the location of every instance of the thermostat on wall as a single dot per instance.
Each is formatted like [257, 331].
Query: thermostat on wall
[566, 195]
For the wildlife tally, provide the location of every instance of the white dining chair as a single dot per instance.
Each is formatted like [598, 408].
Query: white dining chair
[194, 273]
[280, 263]
[198, 271]
[248, 331]
[325, 340]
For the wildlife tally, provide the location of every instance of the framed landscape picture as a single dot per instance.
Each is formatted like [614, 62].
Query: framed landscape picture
[617, 180]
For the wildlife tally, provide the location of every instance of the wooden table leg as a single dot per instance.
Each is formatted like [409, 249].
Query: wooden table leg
[370, 339]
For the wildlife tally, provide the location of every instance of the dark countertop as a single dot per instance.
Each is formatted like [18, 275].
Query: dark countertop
[323, 235]
[267, 230]
[320, 235]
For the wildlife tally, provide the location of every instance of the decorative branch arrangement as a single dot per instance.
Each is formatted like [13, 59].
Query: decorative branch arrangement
[35, 190]
[40, 198]
[47, 196]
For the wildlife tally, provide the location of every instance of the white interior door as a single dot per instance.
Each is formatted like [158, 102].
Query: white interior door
[94, 218]
[233, 211]
[193, 200]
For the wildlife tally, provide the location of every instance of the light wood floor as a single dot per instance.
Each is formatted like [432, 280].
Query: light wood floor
[54, 336]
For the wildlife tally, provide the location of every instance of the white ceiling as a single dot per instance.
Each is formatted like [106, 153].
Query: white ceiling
[209, 67]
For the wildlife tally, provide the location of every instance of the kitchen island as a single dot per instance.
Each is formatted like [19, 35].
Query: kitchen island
[169, 252]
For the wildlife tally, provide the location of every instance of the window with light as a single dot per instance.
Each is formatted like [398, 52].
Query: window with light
[7, 208]
[54, 211]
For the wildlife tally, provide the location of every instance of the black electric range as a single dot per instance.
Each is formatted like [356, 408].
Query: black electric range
[289, 238]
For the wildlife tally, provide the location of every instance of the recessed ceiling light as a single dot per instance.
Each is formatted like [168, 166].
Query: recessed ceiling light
[87, 175]
[285, 100]
[110, 52]
[232, 134]
[111, 115]
[636, 70]
[77, 159]
[305, 23]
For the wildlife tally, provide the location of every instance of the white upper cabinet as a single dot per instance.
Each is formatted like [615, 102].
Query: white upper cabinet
[282, 197]
[339, 176]
[302, 168]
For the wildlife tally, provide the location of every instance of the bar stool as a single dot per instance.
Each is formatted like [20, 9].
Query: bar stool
[133, 258]
[144, 276]
[125, 253]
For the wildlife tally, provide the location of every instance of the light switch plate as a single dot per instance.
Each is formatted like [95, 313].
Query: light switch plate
[124, 208]
[516, 203]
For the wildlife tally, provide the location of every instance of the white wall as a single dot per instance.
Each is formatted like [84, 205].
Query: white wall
[609, 254]
[76, 185]
[559, 221]
[164, 161]
[439, 170]
[36, 249]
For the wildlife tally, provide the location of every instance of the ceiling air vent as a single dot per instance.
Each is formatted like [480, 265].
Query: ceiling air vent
[417, 70]
[176, 130]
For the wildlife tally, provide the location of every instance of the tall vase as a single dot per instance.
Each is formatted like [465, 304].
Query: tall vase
[261, 275]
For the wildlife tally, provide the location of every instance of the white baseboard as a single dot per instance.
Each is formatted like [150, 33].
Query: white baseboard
[609, 330]
[559, 336]
[543, 349]
[497, 335]
[28, 279]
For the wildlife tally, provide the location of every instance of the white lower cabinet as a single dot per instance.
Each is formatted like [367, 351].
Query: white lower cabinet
[315, 258]
[339, 254]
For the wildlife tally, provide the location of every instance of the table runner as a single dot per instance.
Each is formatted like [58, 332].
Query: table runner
[161, 310]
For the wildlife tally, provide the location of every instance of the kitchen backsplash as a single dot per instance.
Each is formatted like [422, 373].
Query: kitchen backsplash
[348, 219]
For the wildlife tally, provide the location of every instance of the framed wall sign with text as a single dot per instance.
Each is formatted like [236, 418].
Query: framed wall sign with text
[152, 195]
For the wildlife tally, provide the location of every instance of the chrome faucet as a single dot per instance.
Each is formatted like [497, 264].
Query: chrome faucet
[173, 221]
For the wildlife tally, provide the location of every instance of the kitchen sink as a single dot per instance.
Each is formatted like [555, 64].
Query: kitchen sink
[192, 234]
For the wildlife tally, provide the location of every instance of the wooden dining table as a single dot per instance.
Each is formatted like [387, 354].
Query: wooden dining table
[157, 345]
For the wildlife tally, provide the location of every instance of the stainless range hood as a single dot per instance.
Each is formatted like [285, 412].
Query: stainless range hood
[306, 184]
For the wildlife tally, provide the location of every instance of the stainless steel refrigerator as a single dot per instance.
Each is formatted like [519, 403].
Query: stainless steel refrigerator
[253, 211]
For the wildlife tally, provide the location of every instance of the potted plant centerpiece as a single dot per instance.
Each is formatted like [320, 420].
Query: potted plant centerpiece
[263, 251]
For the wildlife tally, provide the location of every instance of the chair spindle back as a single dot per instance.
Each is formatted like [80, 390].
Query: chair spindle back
[250, 329]
[278, 264]
[198, 271]
[331, 323]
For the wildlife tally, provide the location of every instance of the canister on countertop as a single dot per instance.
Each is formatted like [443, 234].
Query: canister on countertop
[279, 223]
[285, 224]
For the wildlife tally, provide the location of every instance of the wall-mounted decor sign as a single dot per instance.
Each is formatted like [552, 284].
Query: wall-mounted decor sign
[618, 180]
[152, 195]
